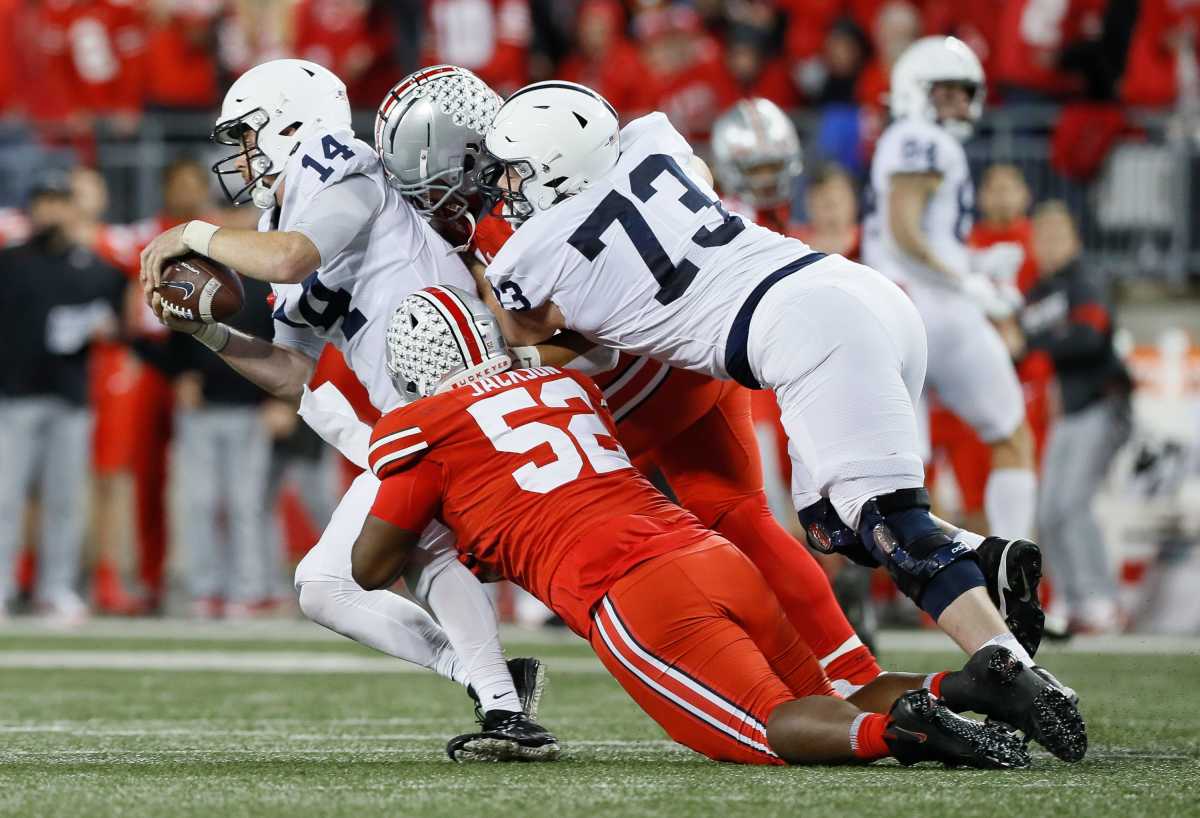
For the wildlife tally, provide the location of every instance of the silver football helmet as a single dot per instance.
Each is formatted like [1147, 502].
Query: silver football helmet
[442, 337]
[429, 133]
[757, 153]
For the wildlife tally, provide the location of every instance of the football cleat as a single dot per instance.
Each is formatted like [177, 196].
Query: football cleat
[529, 678]
[919, 729]
[995, 683]
[1013, 569]
[506, 736]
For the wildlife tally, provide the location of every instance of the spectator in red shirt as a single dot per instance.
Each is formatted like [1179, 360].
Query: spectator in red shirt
[686, 79]
[603, 58]
[1166, 33]
[181, 64]
[92, 55]
[832, 209]
[750, 57]
[897, 26]
[353, 39]
[490, 37]
[1031, 38]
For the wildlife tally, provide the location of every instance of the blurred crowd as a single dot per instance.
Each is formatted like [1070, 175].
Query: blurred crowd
[69, 62]
[98, 400]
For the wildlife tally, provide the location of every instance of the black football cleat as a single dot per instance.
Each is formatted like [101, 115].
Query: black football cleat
[529, 678]
[996, 684]
[506, 736]
[1013, 570]
[919, 729]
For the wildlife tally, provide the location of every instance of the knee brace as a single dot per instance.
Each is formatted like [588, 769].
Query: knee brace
[826, 532]
[898, 530]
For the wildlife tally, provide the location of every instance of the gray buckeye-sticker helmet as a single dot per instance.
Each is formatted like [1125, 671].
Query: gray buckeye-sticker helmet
[757, 152]
[441, 337]
[429, 133]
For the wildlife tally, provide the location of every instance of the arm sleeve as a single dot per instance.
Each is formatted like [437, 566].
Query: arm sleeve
[410, 499]
[1086, 333]
[338, 213]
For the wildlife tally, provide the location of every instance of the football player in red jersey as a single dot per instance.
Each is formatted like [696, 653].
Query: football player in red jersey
[525, 466]
[698, 431]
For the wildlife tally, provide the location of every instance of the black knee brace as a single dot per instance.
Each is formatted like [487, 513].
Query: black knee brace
[827, 533]
[898, 530]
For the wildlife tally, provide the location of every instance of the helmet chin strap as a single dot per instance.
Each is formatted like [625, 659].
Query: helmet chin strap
[263, 194]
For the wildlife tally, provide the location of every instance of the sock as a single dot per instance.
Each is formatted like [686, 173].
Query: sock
[866, 736]
[968, 538]
[1010, 500]
[1007, 640]
[465, 612]
[933, 683]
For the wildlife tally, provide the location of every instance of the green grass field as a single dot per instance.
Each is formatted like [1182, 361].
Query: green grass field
[143, 722]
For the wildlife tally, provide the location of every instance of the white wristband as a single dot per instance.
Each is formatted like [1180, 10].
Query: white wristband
[197, 235]
[213, 336]
[526, 357]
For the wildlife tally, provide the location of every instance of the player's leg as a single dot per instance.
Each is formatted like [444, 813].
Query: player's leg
[198, 448]
[245, 483]
[695, 639]
[382, 620]
[714, 468]
[462, 645]
[972, 372]
[63, 509]
[22, 440]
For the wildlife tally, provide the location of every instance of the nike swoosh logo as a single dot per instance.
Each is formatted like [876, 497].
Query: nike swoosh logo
[498, 696]
[1027, 596]
[186, 287]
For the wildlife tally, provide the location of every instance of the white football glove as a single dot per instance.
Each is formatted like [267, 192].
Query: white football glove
[995, 301]
[1001, 262]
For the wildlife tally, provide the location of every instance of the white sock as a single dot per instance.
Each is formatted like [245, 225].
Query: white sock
[387, 622]
[1007, 640]
[968, 538]
[465, 612]
[1010, 501]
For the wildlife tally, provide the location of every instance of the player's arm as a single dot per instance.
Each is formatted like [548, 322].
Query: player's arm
[519, 327]
[908, 196]
[330, 221]
[381, 553]
[407, 501]
[700, 167]
[280, 371]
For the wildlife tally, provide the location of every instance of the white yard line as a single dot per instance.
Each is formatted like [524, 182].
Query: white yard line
[296, 630]
[235, 661]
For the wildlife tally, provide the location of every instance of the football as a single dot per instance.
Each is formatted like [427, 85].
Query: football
[197, 288]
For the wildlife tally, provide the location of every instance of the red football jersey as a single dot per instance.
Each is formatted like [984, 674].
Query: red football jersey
[525, 468]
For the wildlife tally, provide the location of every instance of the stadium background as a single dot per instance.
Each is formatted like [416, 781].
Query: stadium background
[1096, 103]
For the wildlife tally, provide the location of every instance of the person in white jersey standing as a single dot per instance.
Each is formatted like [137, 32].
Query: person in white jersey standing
[921, 206]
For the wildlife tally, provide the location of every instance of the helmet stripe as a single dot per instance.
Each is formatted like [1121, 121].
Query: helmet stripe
[458, 313]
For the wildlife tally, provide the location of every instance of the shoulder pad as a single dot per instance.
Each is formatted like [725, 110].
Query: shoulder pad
[396, 444]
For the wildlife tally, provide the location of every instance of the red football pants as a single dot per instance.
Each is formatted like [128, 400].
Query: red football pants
[700, 643]
[715, 469]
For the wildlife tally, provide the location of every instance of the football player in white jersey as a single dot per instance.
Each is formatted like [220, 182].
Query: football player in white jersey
[922, 206]
[622, 239]
[342, 250]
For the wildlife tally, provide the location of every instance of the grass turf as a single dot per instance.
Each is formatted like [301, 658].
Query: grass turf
[134, 743]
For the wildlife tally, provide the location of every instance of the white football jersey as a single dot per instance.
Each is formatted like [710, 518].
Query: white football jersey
[350, 299]
[645, 260]
[918, 146]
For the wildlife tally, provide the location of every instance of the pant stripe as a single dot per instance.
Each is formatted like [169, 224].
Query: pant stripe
[853, 643]
[626, 650]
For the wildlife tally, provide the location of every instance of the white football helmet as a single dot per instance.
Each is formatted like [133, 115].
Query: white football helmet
[442, 337]
[757, 152]
[283, 102]
[429, 135]
[551, 139]
[931, 60]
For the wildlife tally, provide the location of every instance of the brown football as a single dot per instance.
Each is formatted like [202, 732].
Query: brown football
[199, 289]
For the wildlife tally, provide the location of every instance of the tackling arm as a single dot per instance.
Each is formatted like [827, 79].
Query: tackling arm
[908, 195]
[380, 553]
